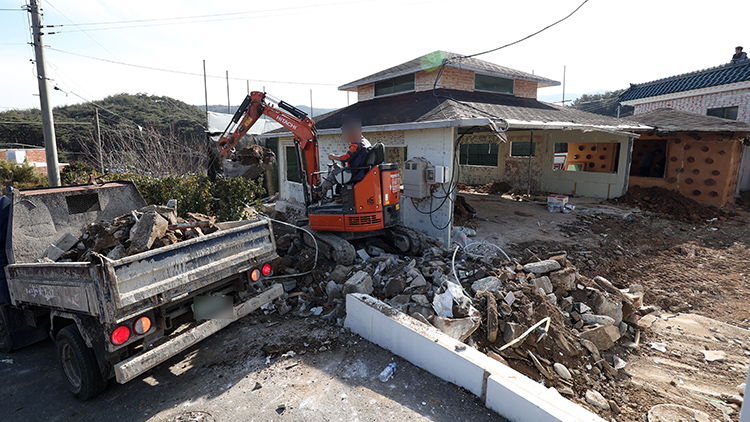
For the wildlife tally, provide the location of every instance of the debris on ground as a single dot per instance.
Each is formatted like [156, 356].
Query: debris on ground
[151, 227]
[492, 187]
[669, 204]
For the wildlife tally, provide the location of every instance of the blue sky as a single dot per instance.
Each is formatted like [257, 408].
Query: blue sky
[606, 45]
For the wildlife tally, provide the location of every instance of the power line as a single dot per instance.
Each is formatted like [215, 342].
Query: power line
[459, 58]
[77, 26]
[529, 36]
[181, 72]
[233, 15]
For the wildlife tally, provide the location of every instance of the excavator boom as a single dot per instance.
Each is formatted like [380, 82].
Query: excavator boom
[302, 127]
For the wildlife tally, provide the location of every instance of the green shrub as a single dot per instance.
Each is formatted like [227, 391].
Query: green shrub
[226, 198]
[21, 175]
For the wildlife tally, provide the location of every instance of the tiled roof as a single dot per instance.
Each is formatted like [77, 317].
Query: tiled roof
[423, 107]
[670, 120]
[433, 61]
[720, 75]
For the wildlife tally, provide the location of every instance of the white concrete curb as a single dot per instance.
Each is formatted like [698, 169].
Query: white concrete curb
[504, 390]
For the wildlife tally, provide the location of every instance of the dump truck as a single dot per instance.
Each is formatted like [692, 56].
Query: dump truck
[120, 318]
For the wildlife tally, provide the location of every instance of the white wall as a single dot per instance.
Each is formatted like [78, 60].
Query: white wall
[436, 146]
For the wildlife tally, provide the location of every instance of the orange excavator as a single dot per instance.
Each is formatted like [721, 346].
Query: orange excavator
[364, 203]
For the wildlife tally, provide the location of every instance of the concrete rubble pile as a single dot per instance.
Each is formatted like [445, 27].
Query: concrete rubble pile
[151, 227]
[493, 309]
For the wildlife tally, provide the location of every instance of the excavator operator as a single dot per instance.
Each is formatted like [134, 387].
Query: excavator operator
[351, 130]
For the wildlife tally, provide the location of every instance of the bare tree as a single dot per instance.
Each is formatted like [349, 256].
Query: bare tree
[145, 151]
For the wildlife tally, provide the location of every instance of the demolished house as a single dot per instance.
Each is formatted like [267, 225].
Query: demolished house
[453, 125]
[698, 156]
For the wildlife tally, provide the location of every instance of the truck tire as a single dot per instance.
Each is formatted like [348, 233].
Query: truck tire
[6, 345]
[78, 364]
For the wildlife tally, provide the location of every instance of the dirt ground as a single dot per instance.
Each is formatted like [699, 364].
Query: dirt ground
[696, 272]
[321, 373]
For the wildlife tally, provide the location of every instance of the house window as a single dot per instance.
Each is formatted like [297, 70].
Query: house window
[292, 165]
[493, 84]
[723, 112]
[522, 149]
[395, 85]
[478, 154]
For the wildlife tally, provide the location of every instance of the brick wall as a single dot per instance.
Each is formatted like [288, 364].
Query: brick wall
[700, 103]
[525, 89]
[365, 92]
[451, 78]
[36, 155]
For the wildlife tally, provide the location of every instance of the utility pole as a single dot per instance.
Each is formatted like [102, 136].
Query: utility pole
[99, 141]
[50, 144]
[229, 106]
[311, 105]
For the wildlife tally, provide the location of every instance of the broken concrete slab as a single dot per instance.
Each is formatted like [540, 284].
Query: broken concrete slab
[458, 328]
[149, 227]
[118, 252]
[714, 355]
[565, 278]
[340, 273]
[360, 282]
[542, 267]
[58, 249]
[589, 319]
[544, 284]
[487, 284]
[169, 214]
[603, 337]
[675, 412]
[395, 286]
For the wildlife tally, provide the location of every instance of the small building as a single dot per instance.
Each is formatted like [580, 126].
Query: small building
[696, 155]
[446, 109]
[20, 153]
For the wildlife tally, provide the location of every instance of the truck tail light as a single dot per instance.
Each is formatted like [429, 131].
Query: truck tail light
[142, 325]
[120, 335]
[266, 269]
[255, 274]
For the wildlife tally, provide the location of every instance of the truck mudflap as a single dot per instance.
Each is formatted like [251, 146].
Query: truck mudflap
[138, 364]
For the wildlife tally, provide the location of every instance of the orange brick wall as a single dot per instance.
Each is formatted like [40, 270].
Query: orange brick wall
[36, 155]
[703, 169]
[525, 89]
[451, 78]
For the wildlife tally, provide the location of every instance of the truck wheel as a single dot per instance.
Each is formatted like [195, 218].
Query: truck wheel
[6, 346]
[78, 364]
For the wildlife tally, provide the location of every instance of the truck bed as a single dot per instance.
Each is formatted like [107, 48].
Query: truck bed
[117, 290]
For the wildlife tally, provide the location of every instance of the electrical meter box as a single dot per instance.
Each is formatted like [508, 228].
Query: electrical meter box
[415, 182]
[437, 174]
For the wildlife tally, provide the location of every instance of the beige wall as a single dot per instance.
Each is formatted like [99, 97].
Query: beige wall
[540, 175]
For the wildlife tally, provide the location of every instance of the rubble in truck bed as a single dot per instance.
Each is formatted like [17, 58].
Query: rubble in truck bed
[151, 227]
[496, 308]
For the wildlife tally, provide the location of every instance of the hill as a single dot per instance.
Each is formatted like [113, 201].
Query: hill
[74, 124]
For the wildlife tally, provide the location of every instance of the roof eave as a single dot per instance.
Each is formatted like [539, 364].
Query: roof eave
[625, 130]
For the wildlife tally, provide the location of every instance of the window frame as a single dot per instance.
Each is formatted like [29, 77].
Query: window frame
[464, 154]
[393, 85]
[512, 84]
[724, 111]
[532, 149]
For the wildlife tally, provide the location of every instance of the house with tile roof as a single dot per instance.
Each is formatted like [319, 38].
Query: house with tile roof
[447, 109]
[721, 91]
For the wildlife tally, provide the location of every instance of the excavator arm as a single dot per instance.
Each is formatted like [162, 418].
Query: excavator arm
[295, 120]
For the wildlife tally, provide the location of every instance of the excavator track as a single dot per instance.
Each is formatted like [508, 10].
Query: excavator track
[407, 240]
[332, 246]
